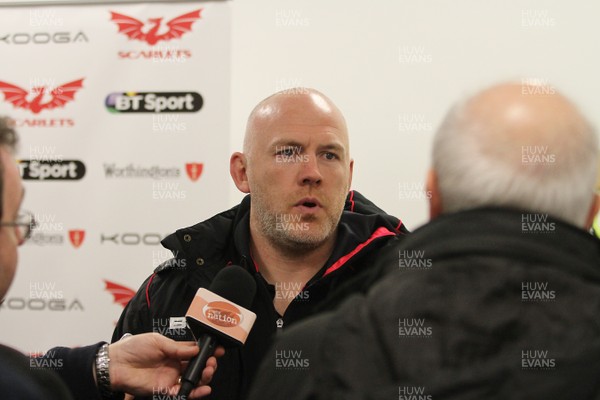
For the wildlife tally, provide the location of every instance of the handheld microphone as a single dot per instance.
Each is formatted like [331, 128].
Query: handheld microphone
[219, 316]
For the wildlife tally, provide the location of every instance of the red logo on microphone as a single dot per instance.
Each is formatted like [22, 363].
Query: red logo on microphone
[76, 237]
[222, 313]
[194, 170]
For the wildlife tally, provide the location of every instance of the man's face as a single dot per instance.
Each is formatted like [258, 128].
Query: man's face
[11, 200]
[299, 173]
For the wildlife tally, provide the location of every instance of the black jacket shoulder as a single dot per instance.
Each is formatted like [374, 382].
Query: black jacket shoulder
[479, 306]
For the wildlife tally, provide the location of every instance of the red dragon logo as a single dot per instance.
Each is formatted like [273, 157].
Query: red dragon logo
[132, 27]
[59, 96]
[121, 294]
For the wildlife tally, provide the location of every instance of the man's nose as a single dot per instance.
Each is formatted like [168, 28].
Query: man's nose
[310, 173]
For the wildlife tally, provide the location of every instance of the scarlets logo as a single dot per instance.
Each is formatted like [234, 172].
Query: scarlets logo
[135, 29]
[39, 98]
[121, 294]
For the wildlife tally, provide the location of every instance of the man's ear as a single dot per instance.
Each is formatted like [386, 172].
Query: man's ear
[594, 210]
[433, 193]
[237, 169]
[351, 172]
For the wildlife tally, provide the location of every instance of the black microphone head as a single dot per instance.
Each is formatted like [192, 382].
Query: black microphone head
[235, 284]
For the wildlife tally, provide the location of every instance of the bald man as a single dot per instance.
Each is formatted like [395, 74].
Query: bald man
[300, 233]
[497, 297]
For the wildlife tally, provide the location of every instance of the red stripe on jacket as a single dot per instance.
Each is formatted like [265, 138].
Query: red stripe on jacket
[380, 232]
[148, 290]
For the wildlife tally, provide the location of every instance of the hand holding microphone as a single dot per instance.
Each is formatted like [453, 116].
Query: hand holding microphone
[149, 363]
[219, 316]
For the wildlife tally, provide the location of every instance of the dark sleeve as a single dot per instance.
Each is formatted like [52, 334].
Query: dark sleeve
[136, 317]
[22, 377]
[75, 368]
[289, 368]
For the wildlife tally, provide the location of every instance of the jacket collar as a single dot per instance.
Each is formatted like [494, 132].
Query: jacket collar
[520, 234]
[361, 222]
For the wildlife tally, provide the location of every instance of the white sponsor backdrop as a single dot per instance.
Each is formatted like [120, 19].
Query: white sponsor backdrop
[393, 67]
[146, 173]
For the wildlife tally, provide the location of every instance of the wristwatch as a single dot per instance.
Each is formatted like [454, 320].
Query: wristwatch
[102, 375]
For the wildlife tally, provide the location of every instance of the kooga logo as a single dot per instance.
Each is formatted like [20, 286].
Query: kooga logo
[43, 37]
[51, 170]
[158, 102]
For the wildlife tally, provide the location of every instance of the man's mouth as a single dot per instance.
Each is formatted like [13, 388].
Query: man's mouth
[309, 203]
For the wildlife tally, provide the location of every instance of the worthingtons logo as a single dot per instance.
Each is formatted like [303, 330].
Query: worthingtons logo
[40, 237]
[130, 171]
[50, 238]
[51, 170]
[76, 236]
[222, 313]
[194, 170]
[154, 102]
[153, 32]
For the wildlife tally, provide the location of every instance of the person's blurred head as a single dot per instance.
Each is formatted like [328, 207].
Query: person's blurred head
[11, 191]
[598, 180]
[517, 146]
[296, 165]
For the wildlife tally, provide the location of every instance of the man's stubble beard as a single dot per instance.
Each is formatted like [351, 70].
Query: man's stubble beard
[288, 236]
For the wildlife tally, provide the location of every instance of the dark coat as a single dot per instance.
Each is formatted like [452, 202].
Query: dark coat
[204, 249]
[60, 374]
[484, 304]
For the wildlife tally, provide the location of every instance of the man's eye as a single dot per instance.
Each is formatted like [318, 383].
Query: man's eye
[331, 156]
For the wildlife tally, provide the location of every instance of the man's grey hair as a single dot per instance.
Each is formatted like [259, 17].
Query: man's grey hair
[475, 170]
[9, 140]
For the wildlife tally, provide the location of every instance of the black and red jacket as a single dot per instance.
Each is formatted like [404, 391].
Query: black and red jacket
[203, 249]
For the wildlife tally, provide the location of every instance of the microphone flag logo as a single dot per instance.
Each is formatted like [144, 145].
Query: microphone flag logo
[222, 313]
